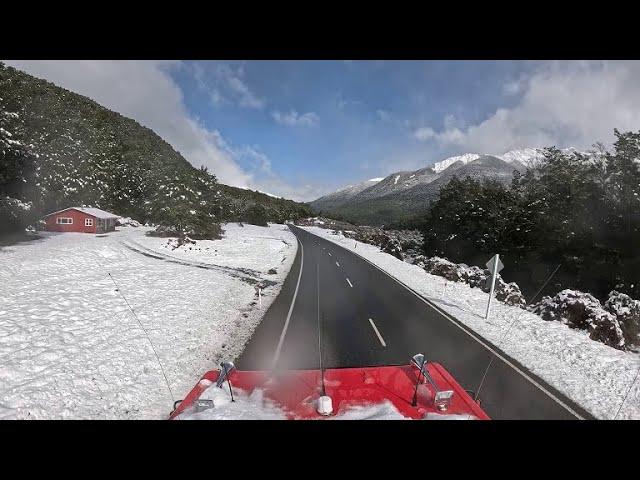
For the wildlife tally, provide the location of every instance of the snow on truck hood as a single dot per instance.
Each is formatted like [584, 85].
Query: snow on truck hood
[255, 406]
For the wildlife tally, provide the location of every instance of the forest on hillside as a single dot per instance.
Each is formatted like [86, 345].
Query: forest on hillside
[576, 214]
[61, 149]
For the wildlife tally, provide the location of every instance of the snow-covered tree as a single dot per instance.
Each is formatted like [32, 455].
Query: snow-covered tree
[16, 174]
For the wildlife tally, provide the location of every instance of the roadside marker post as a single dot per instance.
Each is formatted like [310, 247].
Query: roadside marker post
[259, 297]
[494, 265]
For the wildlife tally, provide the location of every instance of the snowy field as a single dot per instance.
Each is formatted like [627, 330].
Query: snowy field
[594, 375]
[71, 348]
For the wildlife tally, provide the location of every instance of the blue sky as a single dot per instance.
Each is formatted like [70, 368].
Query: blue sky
[301, 129]
[364, 113]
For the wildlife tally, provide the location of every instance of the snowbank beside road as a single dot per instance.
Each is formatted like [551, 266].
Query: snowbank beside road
[594, 375]
[71, 348]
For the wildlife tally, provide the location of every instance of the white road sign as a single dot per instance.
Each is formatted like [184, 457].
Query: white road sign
[490, 264]
[494, 265]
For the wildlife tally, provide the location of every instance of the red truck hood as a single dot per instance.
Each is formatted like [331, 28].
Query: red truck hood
[296, 392]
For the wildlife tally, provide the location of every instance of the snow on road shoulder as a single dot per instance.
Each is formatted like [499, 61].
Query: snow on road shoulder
[71, 348]
[592, 374]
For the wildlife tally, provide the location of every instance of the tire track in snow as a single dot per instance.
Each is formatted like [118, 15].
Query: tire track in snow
[247, 275]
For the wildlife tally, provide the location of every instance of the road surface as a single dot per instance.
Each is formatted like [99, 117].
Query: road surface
[366, 318]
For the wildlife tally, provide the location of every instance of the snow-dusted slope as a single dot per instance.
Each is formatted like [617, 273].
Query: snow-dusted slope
[71, 348]
[343, 195]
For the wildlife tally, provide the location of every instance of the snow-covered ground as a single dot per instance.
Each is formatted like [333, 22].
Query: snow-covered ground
[71, 348]
[594, 375]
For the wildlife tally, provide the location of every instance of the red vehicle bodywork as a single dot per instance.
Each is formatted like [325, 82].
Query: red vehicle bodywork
[296, 391]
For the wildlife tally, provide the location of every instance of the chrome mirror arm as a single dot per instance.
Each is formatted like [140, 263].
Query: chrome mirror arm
[226, 369]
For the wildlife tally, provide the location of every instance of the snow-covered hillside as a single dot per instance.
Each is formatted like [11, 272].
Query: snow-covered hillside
[592, 374]
[71, 348]
[447, 162]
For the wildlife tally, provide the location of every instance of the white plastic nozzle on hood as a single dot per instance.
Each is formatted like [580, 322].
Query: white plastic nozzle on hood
[325, 406]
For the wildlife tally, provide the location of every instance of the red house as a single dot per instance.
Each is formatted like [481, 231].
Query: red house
[81, 219]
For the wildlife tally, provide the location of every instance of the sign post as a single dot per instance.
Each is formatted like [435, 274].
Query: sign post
[494, 265]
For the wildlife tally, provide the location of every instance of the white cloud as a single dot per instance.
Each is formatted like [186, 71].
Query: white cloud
[225, 85]
[345, 103]
[384, 115]
[561, 103]
[424, 133]
[293, 119]
[144, 91]
[266, 180]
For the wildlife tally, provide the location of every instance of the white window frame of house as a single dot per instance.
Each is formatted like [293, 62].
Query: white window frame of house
[88, 222]
[68, 221]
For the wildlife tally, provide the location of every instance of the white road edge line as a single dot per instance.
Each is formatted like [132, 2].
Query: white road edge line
[373, 325]
[448, 317]
[293, 302]
[349, 282]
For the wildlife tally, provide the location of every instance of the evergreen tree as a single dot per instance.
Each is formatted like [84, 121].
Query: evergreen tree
[16, 175]
[575, 210]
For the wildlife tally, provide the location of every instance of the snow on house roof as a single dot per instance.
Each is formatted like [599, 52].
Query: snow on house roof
[94, 212]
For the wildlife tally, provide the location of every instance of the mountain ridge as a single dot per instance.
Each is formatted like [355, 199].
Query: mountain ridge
[402, 194]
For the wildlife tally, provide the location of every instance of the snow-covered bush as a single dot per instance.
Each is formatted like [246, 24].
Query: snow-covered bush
[443, 268]
[212, 231]
[419, 260]
[127, 222]
[584, 312]
[627, 311]
[476, 277]
[391, 246]
[174, 243]
[509, 293]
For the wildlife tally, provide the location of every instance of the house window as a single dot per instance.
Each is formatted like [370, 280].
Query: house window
[64, 220]
[88, 222]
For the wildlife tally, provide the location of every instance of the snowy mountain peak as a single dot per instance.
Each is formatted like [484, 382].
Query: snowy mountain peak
[526, 156]
[447, 162]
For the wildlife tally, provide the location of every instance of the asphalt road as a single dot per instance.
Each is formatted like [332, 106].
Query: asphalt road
[366, 318]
